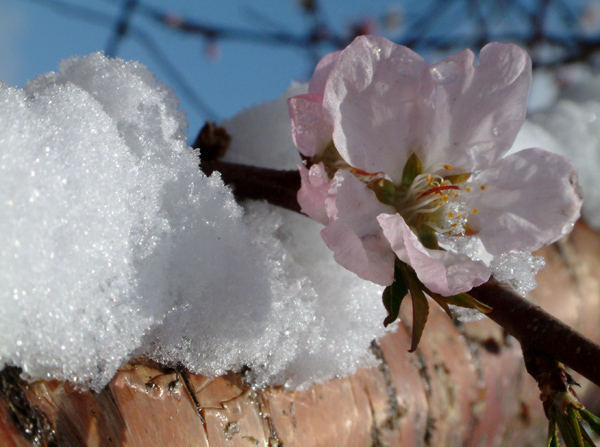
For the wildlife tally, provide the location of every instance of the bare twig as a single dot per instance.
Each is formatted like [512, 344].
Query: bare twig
[121, 27]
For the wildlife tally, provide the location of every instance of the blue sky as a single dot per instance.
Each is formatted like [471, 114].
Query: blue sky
[35, 37]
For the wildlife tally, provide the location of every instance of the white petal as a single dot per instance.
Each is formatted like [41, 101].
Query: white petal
[354, 235]
[478, 110]
[442, 272]
[531, 199]
[315, 188]
[375, 100]
[321, 74]
[310, 129]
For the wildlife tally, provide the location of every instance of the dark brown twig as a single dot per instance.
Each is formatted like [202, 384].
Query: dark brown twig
[539, 331]
[535, 328]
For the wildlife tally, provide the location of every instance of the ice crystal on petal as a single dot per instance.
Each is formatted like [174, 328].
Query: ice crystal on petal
[517, 270]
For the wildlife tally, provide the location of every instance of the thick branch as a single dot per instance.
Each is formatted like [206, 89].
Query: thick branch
[539, 331]
[251, 182]
[535, 328]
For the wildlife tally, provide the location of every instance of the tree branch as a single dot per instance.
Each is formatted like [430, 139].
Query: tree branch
[539, 331]
[535, 328]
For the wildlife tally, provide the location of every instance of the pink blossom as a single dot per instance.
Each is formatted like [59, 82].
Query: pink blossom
[401, 152]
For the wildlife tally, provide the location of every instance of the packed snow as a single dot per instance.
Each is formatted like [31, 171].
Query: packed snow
[114, 244]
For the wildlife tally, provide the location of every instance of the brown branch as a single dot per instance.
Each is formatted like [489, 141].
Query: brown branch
[539, 331]
[535, 328]
[251, 182]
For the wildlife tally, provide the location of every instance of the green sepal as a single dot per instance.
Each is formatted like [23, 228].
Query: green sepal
[574, 423]
[427, 237]
[443, 304]
[552, 435]
[553, 442]
[384, 190]
[331, 159]
[458, 178]
[419, 304]
[567, 430]
[411, 170]
[466, 300]
[461, 300]
[393, 296]
[592, 420]
[587, 440]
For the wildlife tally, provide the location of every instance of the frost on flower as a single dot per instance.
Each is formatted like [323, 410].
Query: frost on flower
[399, 153]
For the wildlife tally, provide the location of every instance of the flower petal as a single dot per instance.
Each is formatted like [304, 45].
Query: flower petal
[354, 234]
[310, 129]
[384, 103]
[442, 272]
[478, 111]
[314, 190]
[531, 199]
[375, 100]
[321, 74]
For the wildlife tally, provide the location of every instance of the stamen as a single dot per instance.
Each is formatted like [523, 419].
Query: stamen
[482, 187]
[475, 211]
[421, 204]
[365, 173]
[448, 167]
[436, 228]
[438, 189]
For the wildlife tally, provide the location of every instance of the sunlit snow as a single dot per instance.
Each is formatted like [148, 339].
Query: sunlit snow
[114, 244]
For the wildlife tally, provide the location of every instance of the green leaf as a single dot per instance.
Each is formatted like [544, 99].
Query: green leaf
[443, 304]
[574, 423]
[419, 304]
[461, 300]
[384, 190]
[458, 178]
[466, 300]
[393, 296]
[591, 419]
[412, 169]
[552, 435]
[567, 431]
[427, 237]
[587, 440]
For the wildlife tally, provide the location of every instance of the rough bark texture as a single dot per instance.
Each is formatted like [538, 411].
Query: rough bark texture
[465, 386]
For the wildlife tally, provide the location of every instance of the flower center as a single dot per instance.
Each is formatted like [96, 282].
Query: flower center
[438, 202]
[431, 203]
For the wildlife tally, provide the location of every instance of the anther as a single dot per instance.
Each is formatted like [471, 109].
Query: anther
[438, 189]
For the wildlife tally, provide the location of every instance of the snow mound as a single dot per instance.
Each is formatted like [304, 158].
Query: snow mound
[113, 244]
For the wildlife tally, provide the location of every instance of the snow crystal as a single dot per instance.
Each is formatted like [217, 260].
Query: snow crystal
[96, 191]
[516, 270]
[113, 244]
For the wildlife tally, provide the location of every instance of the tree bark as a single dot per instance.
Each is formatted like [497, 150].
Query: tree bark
[466, 385]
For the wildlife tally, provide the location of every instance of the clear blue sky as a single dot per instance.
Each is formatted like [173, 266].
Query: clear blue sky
[35, 37]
